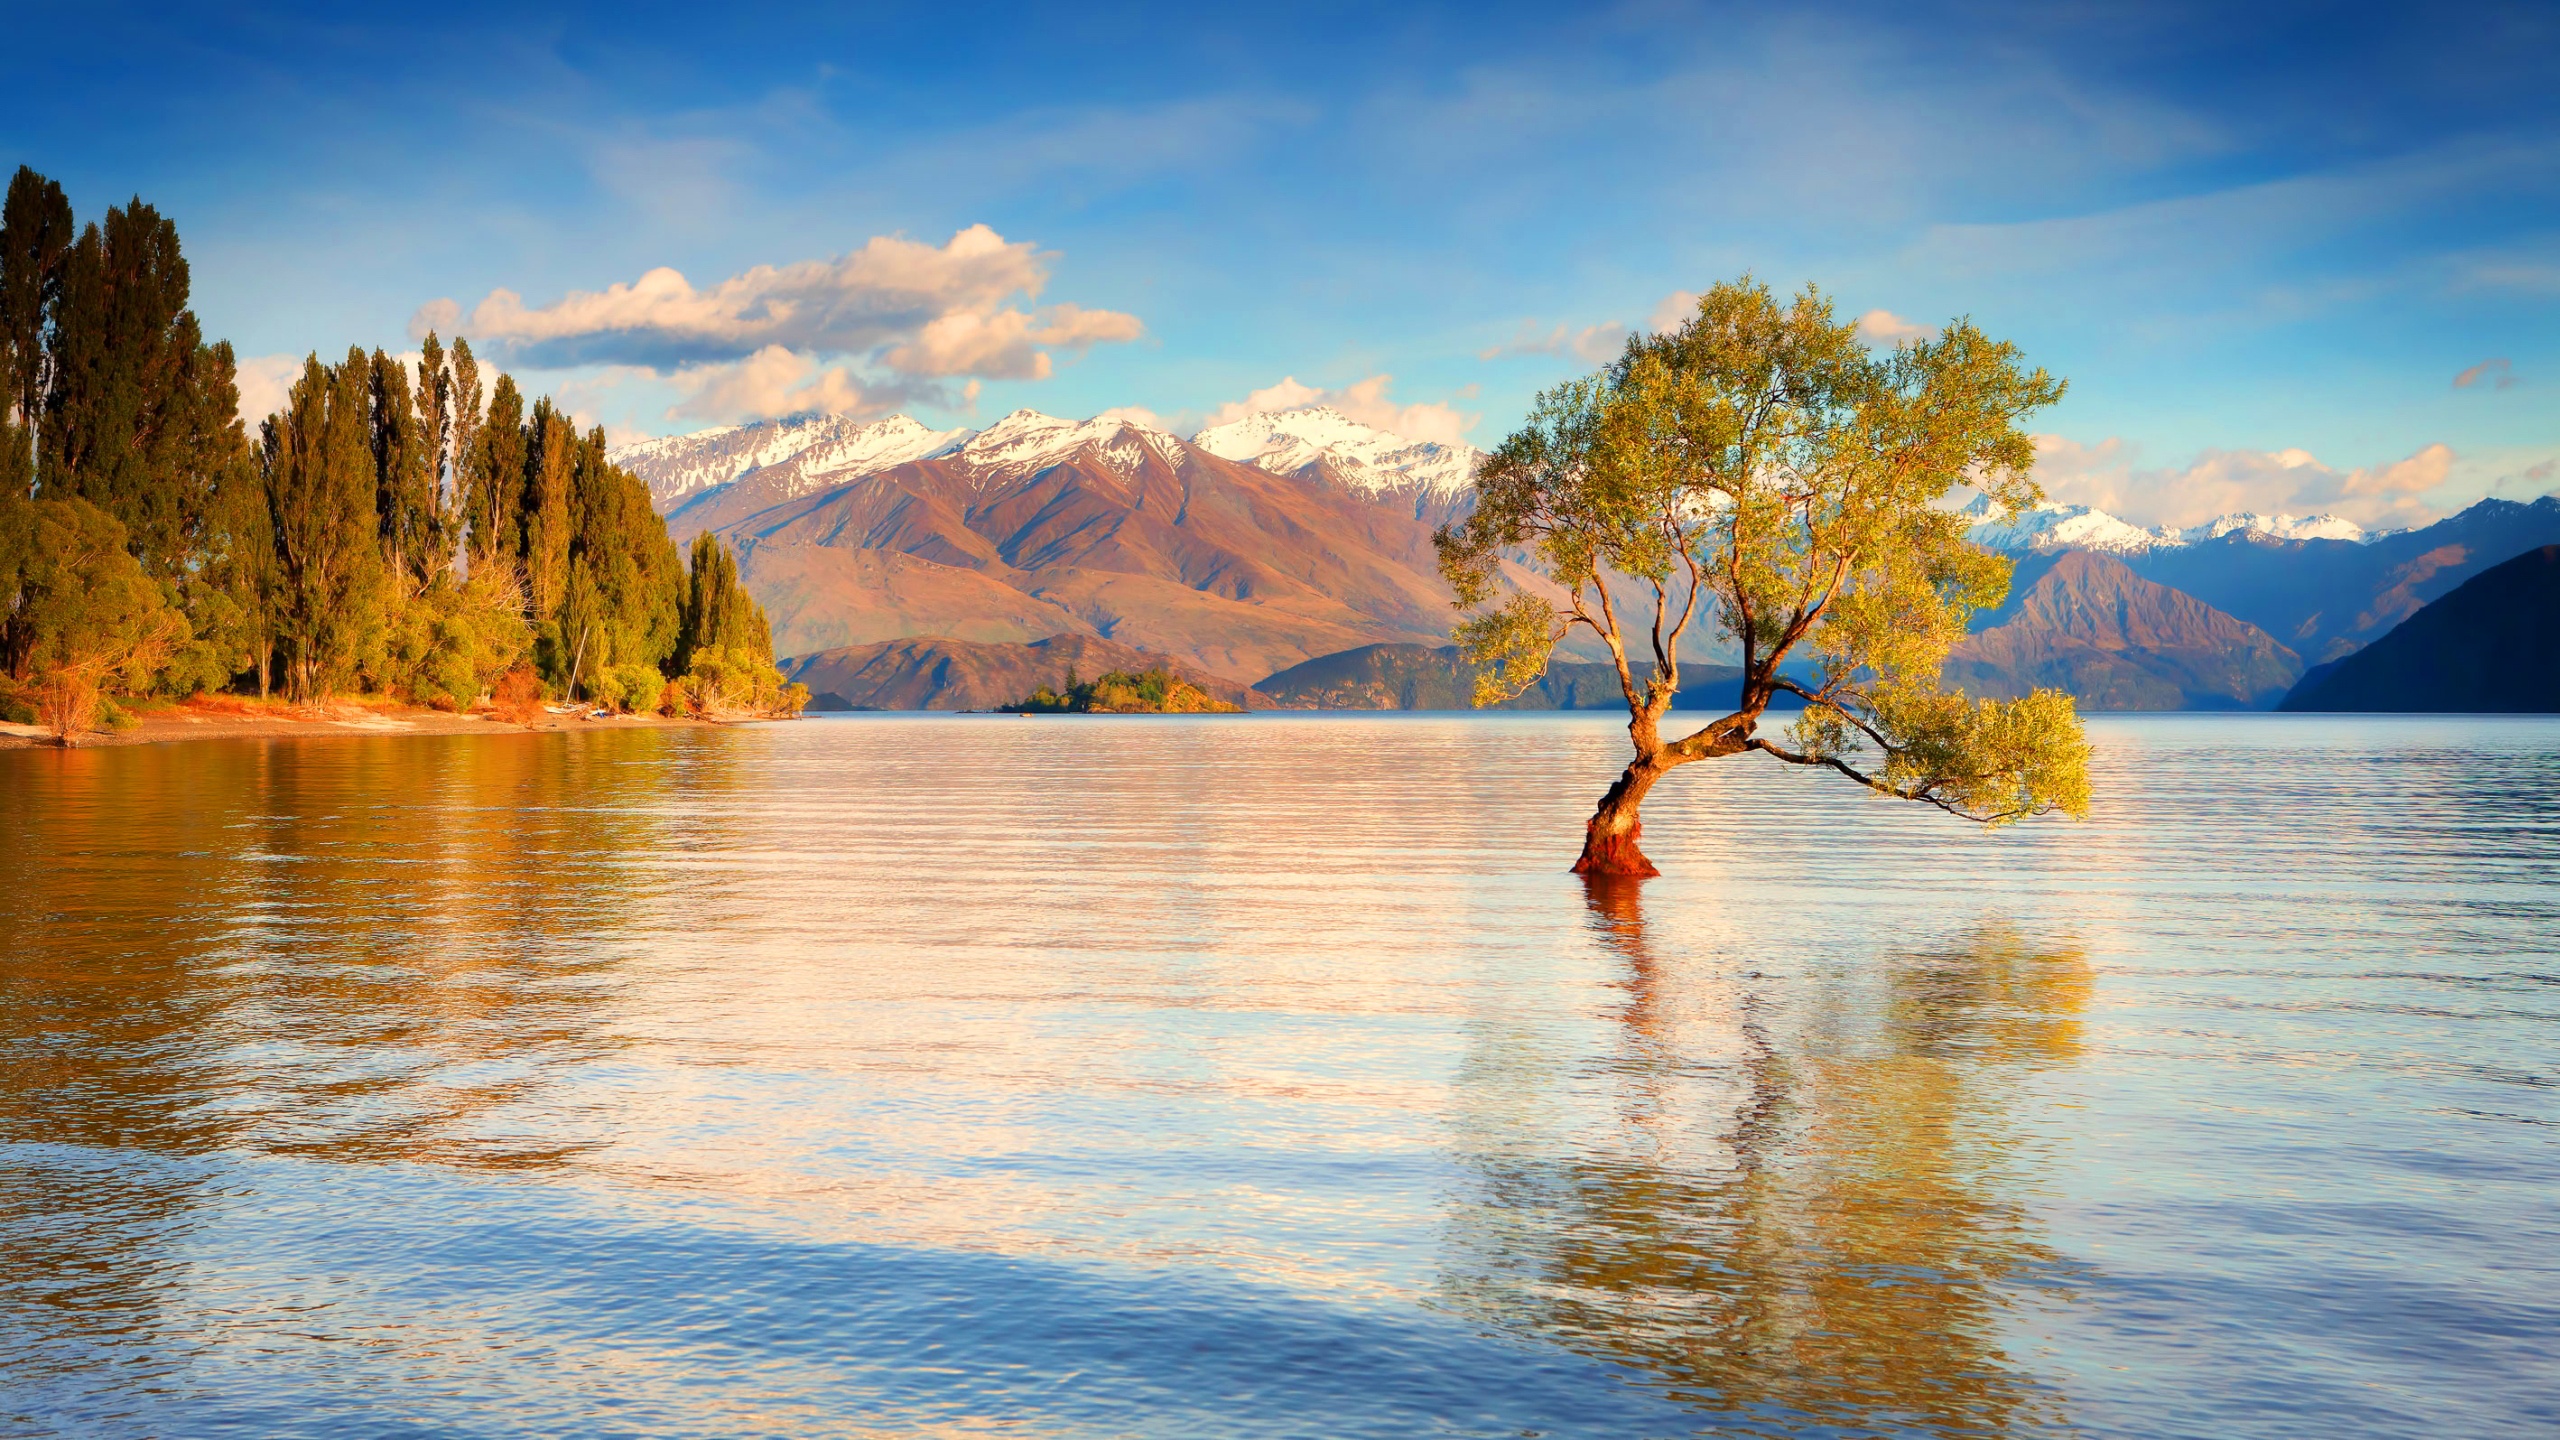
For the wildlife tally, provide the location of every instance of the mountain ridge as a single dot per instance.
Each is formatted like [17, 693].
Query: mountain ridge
[2083, 621]
[2491, 645]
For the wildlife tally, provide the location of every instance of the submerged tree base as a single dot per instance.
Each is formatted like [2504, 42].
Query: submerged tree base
[1613, 854]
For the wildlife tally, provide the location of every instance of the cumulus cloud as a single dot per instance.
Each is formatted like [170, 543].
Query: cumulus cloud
[772, 382]
[1673, 312]
[1883, 327]
[905, 313]
[1007, 344]
[1365, 401]
[1135, 415]
[2496, 374]
[265, 382]
[2222, 482]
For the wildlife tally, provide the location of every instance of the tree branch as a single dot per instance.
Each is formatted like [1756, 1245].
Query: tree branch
[1926, 793]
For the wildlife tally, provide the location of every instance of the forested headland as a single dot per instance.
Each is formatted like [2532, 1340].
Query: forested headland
[395, 529]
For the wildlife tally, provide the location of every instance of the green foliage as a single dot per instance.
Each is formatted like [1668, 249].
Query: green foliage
[80, 614]
[1150, 692]
[724, 682]
[718, 612]
[332, 589]
[449, 646]
[1762, 467]
[633, 689]
[389, 529]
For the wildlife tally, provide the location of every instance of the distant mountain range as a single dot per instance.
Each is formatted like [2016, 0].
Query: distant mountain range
[2077, 527]
[2491, 645]
[1318, 541]
[1297, 544]
[2082, 621]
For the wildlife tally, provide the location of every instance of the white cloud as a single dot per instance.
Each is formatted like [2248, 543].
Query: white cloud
[1134, 414]
[1673, 312]
[921, 309]
[1883, 327]
[1365, 401]
[265, 382]
[772, 382]
[1004, 344]
[2499, 374]
[2224, 482]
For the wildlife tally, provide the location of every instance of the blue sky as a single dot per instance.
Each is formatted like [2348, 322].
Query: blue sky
[2262, 246]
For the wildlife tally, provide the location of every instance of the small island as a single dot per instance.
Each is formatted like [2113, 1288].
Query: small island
[1117, 692]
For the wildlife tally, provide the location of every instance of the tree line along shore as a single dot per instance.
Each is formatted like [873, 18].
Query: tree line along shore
[400, 532]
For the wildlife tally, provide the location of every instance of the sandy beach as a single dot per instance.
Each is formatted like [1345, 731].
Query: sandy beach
[232, 717]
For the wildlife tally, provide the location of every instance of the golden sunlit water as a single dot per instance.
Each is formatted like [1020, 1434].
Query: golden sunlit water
[1084, 1076]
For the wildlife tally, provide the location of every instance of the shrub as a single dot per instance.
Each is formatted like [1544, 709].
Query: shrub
[630, 688]
[733, 681]
[517, 697]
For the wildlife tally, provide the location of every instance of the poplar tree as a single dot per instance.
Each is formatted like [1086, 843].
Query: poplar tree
[497, 480]
[35, 231]
[404, 478]
[434, 408]
[124, 357]
[320, 484]
[719, 614]
[543, 521]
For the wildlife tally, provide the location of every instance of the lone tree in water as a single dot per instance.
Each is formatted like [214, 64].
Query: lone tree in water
[1761, 468]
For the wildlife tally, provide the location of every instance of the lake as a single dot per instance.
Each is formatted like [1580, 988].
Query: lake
[1081, 1076]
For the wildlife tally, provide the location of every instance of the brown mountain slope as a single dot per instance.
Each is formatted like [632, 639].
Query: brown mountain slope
[940, 674]
[2089, 625]
[820, 596]
[1159, 545]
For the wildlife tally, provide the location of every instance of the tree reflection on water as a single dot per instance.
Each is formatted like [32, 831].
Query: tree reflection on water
[1824, 1230]
[353, 952]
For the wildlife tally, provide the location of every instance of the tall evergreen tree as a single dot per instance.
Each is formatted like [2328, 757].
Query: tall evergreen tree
[122, 343]
[465, 436]
[35, 231]
[624, 601]
[137, 411]
[404, 477]
[497, 479]
[435, 436]
[551, 446]
[719, 614]
[321, 487]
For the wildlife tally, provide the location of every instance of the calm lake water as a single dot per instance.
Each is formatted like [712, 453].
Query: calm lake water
[899, 1076]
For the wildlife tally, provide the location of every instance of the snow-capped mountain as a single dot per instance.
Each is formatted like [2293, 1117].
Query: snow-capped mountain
[1027, 441]
[805, 454]
[2078, 527]
[1358, 457]
[822, 450]
[2282, 527]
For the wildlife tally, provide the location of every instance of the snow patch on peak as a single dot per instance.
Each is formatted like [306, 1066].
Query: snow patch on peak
[814, 450]
[2056, 527]
[1027, 442]
[2281, 527]
[1363, 459]
[2078, 527]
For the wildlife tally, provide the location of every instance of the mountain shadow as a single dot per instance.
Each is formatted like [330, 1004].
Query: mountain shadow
[2492, 646]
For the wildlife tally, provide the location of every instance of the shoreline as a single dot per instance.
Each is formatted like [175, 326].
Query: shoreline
[234, 718]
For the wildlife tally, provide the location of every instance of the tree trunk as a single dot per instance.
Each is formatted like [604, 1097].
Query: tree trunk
[1609, 841]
